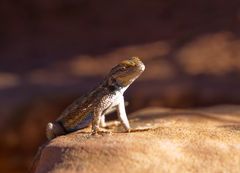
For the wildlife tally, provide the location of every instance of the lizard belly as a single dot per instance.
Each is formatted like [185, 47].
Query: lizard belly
[117, 99]
[76, 122]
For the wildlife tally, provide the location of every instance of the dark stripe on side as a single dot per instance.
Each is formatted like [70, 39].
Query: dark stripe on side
[62, 126]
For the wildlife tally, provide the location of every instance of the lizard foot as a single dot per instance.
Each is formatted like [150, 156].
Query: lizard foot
[101, 131]
[142, 129]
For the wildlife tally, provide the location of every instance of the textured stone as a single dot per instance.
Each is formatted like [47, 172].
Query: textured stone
[199, 140]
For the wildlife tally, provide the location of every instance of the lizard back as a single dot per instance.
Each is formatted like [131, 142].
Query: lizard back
[79, 114]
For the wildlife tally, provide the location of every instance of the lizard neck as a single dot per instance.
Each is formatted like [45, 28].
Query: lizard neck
[114, 87]
[123, 89]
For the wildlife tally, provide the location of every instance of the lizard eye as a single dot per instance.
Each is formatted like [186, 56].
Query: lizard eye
[123, 67]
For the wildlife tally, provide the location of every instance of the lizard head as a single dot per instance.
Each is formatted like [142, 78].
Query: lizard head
[126, 72]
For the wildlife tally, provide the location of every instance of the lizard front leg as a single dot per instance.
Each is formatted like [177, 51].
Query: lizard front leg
[102, 121]
[122, 114]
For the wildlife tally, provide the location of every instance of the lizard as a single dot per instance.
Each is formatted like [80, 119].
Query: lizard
[105, 98]
[93, 106]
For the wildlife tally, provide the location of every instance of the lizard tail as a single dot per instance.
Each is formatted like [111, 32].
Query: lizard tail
[54, 129]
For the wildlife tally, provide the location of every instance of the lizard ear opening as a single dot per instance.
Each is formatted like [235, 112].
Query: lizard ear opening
[112, 81]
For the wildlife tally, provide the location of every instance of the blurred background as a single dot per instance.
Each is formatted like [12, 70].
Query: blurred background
[51, 52]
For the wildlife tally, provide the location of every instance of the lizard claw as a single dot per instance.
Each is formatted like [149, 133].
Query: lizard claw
[128, 130]
[100, 131]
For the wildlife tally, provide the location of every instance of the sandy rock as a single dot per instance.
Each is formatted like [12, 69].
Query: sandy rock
[199, 140]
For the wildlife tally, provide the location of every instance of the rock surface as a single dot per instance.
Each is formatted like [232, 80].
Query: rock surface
[199, 140]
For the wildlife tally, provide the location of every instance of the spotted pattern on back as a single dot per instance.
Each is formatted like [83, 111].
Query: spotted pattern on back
[78, 114]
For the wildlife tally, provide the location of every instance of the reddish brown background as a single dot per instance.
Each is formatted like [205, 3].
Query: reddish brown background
[53, 51]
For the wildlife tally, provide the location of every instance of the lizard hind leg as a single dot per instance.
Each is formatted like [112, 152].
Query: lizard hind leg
[53, 130]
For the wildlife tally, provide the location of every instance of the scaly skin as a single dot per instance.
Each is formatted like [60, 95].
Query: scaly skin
[92, 107]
